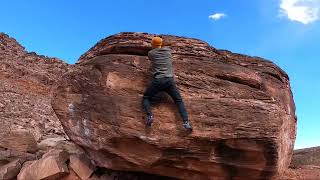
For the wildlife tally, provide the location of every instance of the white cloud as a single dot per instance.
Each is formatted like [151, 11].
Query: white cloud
[217, 16]
[303, 11]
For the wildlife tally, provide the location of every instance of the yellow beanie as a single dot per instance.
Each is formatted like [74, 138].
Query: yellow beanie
[156, 41]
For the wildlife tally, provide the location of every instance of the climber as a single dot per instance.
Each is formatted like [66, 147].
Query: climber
[163, 80]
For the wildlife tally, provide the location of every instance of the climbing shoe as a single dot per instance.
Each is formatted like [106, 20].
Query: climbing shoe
[149, 119]
[187, 125]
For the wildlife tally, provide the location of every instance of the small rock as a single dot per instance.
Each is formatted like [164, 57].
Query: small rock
[82, 166]
[51, 166]
[10, 170]
[50, 142]
[71, 176]
[19, 140]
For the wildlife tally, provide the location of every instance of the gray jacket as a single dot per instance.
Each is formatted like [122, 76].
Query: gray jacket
[161, 59]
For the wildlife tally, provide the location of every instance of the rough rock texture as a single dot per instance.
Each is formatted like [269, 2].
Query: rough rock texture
[10, 170]
[306, 157]
[26, 81]
[26, 116]
[29, 126]
[20, 140]
[241, 108]
[7, 155]
[107, 174]
[71, 176]
[51, 166]
[81, 165]
[305, 165]
[302, 173]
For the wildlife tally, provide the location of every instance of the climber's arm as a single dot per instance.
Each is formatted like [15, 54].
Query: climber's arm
[150, 66]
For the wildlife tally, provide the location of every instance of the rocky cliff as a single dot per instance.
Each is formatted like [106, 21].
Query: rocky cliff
[26, 81]
[85, 121]
[28, 122]
[241, 108]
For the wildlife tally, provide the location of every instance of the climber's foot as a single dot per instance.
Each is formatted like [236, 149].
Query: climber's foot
[149, 120]
[187, 125]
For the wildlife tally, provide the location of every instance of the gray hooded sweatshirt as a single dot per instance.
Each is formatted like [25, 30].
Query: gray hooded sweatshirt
[161, 59]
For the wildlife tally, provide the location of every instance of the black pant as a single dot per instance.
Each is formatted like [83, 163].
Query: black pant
[168, 85]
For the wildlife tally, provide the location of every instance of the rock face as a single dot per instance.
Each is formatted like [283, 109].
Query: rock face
[241, 108]
[26, 115]
[26, 81]
[29, 126]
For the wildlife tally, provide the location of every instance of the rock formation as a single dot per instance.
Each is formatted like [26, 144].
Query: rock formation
[30, 130]
[82, 166]
[26, 80]
[85, 121]
[51, 166]
[306, 157]
[241, 108]
[11, 169]
[305, 165]
[26, 115]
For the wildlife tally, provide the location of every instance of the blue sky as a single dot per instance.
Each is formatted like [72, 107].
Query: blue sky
[284, 31]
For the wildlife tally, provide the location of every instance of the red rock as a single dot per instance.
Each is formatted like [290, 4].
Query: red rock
[81, 165]
[8, 155]
[9, 46]
[52, 165]
[305, 164]
[51, 142]
[60, 143]
[19, 140]
[306, 157]
[112, 175]
[71, 176]
[26, 81]
[300, 174]
[241, 108]
[10, 170]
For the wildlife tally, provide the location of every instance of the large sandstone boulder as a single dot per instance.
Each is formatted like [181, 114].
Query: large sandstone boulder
[241, 108]
[29, 126]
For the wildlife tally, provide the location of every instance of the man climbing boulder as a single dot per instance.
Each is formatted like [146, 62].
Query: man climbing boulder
[163, 80]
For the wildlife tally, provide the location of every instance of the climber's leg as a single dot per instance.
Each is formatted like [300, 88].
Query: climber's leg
[173, 91]
[151, 90]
